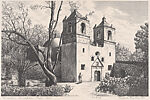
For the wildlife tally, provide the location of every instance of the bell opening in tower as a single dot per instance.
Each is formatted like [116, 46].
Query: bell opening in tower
[83, 27]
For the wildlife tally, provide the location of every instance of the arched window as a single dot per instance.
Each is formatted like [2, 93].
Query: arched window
[98, 34]
[83, 28]
[69, 27]
[109, 35]
[109, 53]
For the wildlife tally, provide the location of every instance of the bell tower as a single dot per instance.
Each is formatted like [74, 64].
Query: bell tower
[74, 25]
[103, 32]
[75, 40]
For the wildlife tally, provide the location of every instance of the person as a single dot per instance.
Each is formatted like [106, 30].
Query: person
[80, 78]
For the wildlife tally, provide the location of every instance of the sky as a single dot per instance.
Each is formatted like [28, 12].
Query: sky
[126, 16]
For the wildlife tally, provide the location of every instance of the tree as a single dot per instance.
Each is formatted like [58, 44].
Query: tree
[21, 64]
[17, 25]
[16, 60]
[137, 56]
[15, 56]
[122, 53]
[141, 41]
[141, 45]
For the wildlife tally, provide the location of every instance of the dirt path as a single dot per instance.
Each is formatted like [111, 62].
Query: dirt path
[86, 89]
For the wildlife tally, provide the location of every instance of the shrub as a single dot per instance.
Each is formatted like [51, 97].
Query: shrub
[32, 91]
[113, 85]
[57, 90]
[121, 89]
[138, 86]
[107, 75]
[67, 88]
[122, 70]
[128, 86]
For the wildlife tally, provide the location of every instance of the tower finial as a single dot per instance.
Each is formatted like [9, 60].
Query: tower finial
[65, 18]
[104, 19]
[94, 26]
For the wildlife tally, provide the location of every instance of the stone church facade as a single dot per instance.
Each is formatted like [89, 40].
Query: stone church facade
[80, 54]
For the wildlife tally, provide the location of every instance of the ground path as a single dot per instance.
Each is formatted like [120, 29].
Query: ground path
[86, 89]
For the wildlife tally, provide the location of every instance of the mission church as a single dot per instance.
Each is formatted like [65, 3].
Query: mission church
[80, 54]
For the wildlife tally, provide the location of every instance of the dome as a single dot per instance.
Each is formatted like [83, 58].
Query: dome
[55, 42]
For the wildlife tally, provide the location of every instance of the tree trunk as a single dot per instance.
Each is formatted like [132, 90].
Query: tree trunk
[51, 79]
[21, 79]
[50, 82]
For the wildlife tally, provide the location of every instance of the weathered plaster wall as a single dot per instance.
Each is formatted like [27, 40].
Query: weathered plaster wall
[108, 60]
[104, 52]
[68, 62]
[83, 58]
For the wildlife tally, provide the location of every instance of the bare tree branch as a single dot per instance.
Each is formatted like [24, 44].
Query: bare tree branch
[57, 53]
[19, 28]
[52, 18]
[20, 43]
[29, 67]
[44, 56]
[58, 12]
[28, 42]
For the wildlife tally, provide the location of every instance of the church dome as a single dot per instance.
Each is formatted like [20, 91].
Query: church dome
[55, 43]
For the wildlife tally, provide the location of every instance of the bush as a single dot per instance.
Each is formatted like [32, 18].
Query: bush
[107, 75]
[138, 86]
[128, 86]
[121, 89]
[113, 85]
[122, 70]
[34, 91]
[67, 88]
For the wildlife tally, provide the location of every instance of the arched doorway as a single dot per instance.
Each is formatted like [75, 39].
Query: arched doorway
[97, 76]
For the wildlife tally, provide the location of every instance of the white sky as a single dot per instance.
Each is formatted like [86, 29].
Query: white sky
[126, 16]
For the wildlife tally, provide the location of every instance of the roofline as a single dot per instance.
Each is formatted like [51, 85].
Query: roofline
[83, 35]
[109, 41]
[105, 26]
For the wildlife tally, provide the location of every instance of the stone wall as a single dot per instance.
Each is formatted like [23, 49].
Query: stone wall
[68, 62]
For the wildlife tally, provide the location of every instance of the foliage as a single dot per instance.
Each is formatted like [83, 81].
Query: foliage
[18, 28]
[127, 69]
[128, 86]
[35, 73]
[137, 56]
[15, 17]
[138, 86]
[32, 91]
[121, 89]
[18, 63]
[107, 75]
[114, 85]
[141, 45]
[67, 88]
[141, 41]
[122, 53]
